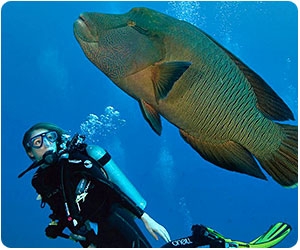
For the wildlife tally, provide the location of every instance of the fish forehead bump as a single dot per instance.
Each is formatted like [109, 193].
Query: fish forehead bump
[101, 22]
[146, 12]
[149, 17]
[115, 44]
[143, 11]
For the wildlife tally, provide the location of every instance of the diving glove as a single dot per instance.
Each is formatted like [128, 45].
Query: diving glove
[53, 230]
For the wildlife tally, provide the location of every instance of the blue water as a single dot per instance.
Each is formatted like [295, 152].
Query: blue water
[46, 77]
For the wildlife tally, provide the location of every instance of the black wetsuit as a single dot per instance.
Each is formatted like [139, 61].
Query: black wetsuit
[105, 204]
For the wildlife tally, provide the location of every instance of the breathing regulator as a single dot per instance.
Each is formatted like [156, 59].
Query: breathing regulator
[67, 146]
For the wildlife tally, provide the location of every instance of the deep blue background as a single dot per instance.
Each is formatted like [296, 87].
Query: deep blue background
[46, 77]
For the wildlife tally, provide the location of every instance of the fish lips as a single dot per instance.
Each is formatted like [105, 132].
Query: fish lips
[84, 29]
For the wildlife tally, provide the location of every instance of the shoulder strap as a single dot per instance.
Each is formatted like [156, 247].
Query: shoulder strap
[104, 159]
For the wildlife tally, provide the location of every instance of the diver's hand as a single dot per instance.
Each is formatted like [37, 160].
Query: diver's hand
[153, 227]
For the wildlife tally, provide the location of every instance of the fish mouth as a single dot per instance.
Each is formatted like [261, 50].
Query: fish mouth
[83, 29]
[83, 21]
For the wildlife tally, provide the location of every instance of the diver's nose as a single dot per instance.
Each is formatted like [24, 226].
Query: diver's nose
[46, 142]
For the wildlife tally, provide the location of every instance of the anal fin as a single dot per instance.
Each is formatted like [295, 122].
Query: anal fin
[228, 155]
[151, 116]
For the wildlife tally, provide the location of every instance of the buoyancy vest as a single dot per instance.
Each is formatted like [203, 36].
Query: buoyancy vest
[57, 185]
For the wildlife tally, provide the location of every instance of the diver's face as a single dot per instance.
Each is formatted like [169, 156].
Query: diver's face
[38, 137]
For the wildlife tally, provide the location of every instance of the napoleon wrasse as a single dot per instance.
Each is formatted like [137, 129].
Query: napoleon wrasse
[222, 108]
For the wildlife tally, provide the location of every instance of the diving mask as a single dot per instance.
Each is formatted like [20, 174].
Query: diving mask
[38, 140]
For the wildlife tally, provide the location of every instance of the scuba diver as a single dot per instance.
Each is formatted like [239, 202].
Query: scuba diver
[89, 195]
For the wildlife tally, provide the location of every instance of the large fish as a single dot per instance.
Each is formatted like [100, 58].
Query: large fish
[223, 109]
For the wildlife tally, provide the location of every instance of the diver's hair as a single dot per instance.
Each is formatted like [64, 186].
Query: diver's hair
[42, 125]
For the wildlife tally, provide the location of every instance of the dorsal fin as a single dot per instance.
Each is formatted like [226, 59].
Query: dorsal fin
[268, 102]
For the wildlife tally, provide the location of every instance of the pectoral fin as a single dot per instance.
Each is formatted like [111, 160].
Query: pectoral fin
[228, 154]
[164, 76]
[151, 116]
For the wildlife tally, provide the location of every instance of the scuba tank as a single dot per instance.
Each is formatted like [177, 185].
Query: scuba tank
[117, 176]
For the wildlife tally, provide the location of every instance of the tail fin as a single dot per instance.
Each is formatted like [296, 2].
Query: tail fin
[283, 165]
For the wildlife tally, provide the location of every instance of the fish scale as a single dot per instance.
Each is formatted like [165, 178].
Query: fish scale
[208, 97]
